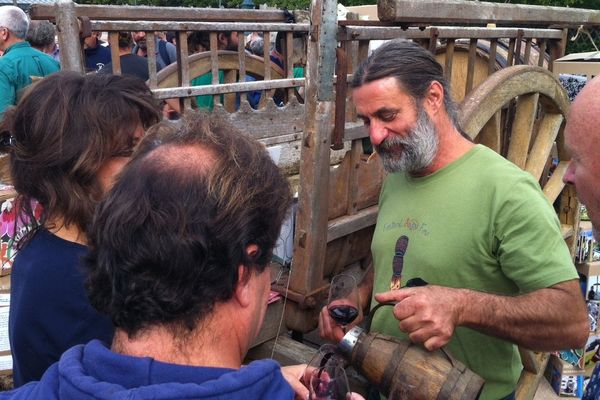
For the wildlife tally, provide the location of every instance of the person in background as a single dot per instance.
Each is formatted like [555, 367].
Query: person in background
[472, 227]
[68, 138]
[20, 63]
[42, 36]
[582, 137]
[131, 64]
[166, 53]
[96, 52]
[180, 245]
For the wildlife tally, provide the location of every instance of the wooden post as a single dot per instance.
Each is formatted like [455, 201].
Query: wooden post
[311, 223]
[71, 58]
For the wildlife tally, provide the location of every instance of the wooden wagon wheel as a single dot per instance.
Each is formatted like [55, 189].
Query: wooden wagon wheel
[533, 128]
[228, 61]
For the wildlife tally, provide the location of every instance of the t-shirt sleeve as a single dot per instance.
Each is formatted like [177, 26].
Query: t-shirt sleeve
[530, 247]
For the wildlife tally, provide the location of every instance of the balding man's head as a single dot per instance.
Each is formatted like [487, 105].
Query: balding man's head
[168, 241]
[582, 136]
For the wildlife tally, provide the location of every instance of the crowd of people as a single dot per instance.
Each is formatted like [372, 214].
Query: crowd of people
[145, 236]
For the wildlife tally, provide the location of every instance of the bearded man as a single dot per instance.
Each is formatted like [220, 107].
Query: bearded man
[473, 226]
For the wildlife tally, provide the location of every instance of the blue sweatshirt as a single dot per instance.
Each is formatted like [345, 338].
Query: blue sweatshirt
[94, 372]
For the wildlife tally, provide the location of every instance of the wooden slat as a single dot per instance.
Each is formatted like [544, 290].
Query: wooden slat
[527, 55]
[242, 60]
[510, 58]
[167, 93]
[518, 45]
[214, 62]
[115, 58]
[542, 52]
[289, 60]
[449, 54]
[151, 46]
[471, 65]
[492, 56]
[183, 67]
[522, 129]
[351, 223]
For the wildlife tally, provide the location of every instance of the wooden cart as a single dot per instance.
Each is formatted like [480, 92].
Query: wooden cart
[515, 106]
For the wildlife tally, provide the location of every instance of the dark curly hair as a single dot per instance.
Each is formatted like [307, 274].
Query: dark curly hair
[63, 130]
[167, 242]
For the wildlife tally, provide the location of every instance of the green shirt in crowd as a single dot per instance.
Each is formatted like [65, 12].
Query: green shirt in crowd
[18, 65]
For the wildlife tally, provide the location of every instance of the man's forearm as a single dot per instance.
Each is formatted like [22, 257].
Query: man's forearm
[547, 319]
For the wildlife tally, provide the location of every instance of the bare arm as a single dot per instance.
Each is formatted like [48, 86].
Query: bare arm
[547, 319]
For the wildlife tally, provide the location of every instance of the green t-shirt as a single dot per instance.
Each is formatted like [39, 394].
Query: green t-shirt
[207, 102]
[480, 223]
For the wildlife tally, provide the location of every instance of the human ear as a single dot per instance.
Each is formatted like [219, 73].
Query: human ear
[243, 291]
[435, 97]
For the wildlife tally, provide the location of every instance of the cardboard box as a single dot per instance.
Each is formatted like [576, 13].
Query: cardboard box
[587, 64]
[565, 379]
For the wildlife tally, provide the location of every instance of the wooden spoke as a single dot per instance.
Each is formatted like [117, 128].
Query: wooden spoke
[547, 133]
[522, 129]
[555, 185]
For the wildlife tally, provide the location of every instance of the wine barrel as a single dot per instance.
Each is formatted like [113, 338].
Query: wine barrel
[404, 370]
[460, 61]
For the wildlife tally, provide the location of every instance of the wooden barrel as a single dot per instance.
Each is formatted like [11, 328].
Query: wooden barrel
[404, 370]
[481, 71]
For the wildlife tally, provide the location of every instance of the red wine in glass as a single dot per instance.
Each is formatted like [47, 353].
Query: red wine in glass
[343, 314]
[343, 301]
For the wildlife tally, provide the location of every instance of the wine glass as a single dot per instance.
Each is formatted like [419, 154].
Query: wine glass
[326, 355]
[328, 383]
[342, 303]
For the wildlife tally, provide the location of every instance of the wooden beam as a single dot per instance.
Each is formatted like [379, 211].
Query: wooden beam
[107, 12]
[479, 12]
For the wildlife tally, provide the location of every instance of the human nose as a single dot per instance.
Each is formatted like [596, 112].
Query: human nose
[378, 132]
[569, 176]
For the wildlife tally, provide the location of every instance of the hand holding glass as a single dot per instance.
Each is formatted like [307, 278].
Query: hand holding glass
[343, 300]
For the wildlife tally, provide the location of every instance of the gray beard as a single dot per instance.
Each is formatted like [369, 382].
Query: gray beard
[412, 153]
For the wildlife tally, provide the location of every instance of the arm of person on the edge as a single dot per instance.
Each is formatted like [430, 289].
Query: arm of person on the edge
[328, 329]
[546, 319]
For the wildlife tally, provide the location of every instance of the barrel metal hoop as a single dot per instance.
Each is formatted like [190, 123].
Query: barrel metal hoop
[362, 349]
[449, 384]
[392, 366]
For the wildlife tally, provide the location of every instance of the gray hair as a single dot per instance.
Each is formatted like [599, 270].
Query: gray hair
[413, 67]
[41, 33]
[15, 20]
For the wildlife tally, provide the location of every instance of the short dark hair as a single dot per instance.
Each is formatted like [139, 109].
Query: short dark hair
[64, 129]
[413, 67]
[125, 40]
[166, 244]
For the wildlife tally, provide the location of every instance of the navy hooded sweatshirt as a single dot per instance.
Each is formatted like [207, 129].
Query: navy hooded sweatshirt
[92, 371]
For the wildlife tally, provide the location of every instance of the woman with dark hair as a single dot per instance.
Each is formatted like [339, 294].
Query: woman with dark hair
[70, 135]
